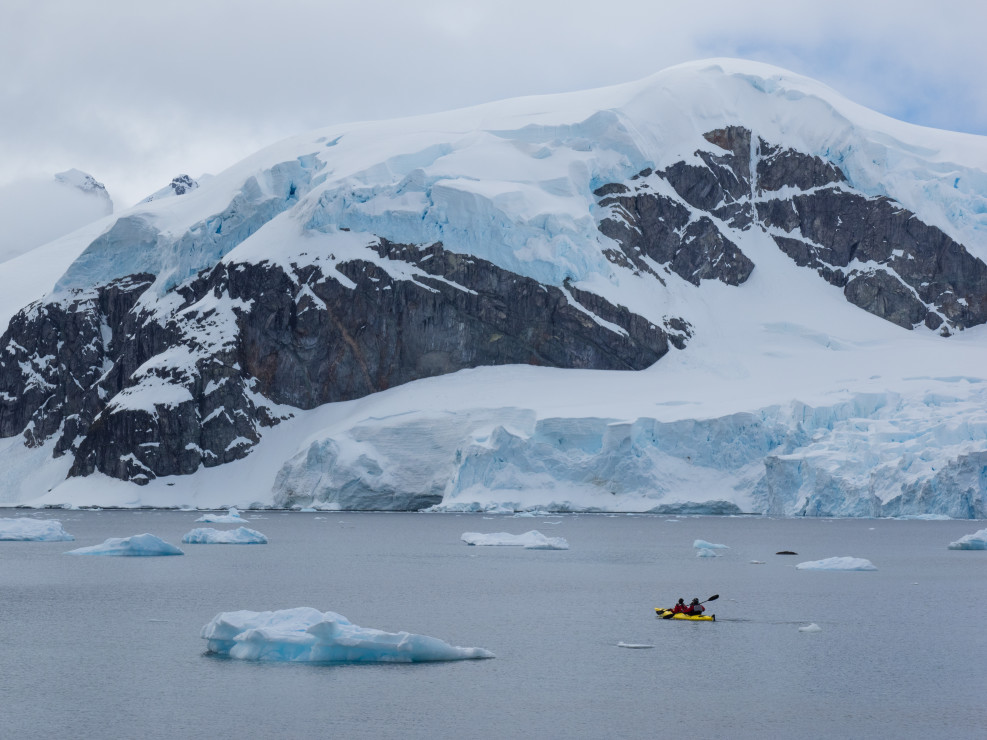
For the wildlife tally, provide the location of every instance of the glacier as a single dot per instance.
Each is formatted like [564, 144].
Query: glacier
[307, 635]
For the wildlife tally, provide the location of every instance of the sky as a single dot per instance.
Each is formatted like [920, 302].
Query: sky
[136, 93]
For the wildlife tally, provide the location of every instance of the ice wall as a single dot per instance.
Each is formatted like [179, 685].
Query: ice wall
[878, 454]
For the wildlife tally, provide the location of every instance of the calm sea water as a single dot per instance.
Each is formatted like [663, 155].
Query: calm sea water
[110, 647]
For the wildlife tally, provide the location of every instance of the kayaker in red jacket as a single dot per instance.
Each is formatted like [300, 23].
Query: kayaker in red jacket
[680, 608]
[695, 608]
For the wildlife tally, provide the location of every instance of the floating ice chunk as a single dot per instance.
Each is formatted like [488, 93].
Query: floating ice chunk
[757, 562]
[704, 545]
[140, 545]
[811, 628]
[633, 645]
[238, 536]
[308, 635]
[844, 563]
[534, 513]
[232, 516]
[533, 540]
[975, 541]
[705, 552]
[33, 530]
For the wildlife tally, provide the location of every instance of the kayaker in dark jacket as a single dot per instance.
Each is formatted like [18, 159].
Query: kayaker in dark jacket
[680, 608]
[695, 608]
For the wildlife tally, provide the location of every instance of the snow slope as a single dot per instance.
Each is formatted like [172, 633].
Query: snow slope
[787, 399]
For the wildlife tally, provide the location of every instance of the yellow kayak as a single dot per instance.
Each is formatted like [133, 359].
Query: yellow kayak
[667, 614]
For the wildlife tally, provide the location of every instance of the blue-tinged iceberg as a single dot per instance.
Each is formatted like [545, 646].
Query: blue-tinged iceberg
[307, 635]
[33, 530]
[533, 540]
[232, 516]
[844, 563]
[238, 536]
[140, 545]
[975, 541]
[704, 545]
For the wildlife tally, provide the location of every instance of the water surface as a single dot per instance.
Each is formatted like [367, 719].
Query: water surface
[110, 647]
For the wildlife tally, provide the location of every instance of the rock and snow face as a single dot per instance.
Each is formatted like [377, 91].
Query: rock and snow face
[745, 246]
[305, 635]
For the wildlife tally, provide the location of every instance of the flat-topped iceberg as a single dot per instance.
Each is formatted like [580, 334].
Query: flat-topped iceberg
[238, 536]
[304, 634]
[232, 516]
[33, 530]
[844, 563]
[975, 541]
[140, 545]
[704, 545]
[533, 540]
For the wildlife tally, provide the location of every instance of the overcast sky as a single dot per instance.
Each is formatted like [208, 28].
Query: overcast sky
[135, 93]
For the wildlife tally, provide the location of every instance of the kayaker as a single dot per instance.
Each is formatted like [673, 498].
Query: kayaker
[695, 608]
[680, 608]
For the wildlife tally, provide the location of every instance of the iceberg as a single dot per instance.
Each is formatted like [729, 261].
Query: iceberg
[238, 536]
[140, 545]
[811, 628]
[704, 545]
[705, 552]
[33, 530]
[304, 634]
[844, 563]
[230, 517]
[533, 540]
[975, 541]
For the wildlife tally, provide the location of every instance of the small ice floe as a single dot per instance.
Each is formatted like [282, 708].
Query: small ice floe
[975, 541]
[844, 563]
[308, 635]
[232, 516]
[634, 645]
[757, 562]
[238, 536]
[33, 530]
[811, 628]
[533, 540]
[705, 552]
[533, 513]
[140, 545]
[704, 545]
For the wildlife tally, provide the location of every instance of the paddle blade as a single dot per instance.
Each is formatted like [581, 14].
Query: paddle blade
[714, 597]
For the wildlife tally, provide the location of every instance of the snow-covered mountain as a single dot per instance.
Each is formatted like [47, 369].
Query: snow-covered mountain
[34, 212]
[723, 288]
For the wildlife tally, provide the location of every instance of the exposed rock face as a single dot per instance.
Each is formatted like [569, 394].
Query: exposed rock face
[886, 260]
[137, 394]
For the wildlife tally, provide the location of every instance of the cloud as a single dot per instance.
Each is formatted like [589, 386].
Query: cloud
[136, 93]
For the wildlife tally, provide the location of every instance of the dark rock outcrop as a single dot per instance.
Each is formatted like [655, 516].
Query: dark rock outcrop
[137, 394]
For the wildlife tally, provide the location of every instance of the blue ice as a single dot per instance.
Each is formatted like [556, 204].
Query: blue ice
[307, 635]
[140, 545]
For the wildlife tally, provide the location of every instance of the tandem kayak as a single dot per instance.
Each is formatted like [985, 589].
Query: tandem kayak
[667, 614]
